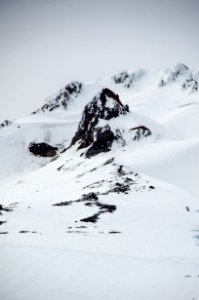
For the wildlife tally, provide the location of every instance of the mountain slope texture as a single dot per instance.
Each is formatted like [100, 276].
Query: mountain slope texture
[99, 191]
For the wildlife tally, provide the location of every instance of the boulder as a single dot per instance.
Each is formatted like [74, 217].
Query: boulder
[42, 149]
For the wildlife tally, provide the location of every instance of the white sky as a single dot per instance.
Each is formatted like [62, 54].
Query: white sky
[46, 43]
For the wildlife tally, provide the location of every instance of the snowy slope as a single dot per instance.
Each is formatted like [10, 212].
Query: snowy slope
[121, 224]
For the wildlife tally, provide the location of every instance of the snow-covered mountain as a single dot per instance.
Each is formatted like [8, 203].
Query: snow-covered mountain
[99, 191]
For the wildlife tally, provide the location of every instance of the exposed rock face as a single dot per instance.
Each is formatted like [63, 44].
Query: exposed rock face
[120, 77]
[128, 79]
[102, 143]
[181, 72]
[67, 94]
[178, 71]
[42, 149]
[140, 132]
[106, 105]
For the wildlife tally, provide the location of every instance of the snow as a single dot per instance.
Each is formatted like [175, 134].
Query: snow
[80, 275]
[148, 248]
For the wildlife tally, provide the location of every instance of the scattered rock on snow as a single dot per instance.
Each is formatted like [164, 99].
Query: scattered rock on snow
[4, 208]
[5, 123]
[42, 149]
[139, 132]
[190, 83]
[91, 199]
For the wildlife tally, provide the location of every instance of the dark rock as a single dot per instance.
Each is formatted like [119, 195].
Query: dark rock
[80, 227]
[106, 207]
[106, 105]
[190, 83]
[3, 208]
[126, 79]
[91, 199]
[139, 132]
[92, 219]
[61, 100]
[2, 222]
[103, 143]
[120, 77]
[94, 184]
[85, 197]
[119, 137]
[121, 171]
[120, 188]
[42, 149]
[5, 123]
[187, 208]
[109, 161]
[151, 187]
[59, 168]
[93, 170]
[63, 203]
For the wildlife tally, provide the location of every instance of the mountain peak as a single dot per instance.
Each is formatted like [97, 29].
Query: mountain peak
[106, 105]
[63, 98]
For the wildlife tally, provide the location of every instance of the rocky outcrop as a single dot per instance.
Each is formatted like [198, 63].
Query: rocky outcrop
[42, 149]
[182, 73]
[62, 99]
[120, 77]
[140, 132]
[179, 70]
[190, 83]
[128, 79]
[103, 141]
[105, 106]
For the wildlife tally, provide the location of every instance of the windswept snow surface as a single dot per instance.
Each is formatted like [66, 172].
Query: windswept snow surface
[142, 241]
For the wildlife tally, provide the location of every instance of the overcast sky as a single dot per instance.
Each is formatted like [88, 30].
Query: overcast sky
[47, 43]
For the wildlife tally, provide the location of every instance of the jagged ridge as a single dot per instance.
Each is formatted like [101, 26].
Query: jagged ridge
[62, 99]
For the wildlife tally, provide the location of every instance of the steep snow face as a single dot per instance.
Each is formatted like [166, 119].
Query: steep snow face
[127, 214]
